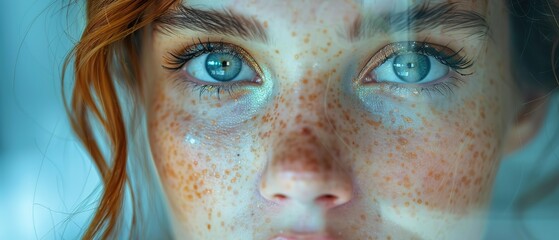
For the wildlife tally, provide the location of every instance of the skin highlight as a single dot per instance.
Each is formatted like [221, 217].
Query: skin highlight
[313, 149]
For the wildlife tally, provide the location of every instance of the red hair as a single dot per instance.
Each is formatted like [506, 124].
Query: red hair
[108, 46]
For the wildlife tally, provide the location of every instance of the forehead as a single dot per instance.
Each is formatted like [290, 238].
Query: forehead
[325, 11]
[354, 19]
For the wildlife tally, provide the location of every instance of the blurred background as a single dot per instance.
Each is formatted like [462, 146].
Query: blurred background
[45, 176]
[48, 185]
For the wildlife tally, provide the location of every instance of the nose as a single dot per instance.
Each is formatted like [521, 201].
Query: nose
[304, 171]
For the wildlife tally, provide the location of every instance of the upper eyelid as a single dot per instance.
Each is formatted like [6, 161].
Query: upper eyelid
[389, 50]
[200, 48]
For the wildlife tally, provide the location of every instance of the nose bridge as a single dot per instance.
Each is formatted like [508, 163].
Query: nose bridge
[306, 100]
[306, 143]
[301, 153]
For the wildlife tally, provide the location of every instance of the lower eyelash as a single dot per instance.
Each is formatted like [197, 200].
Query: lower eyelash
[207, 88]
[444, 88]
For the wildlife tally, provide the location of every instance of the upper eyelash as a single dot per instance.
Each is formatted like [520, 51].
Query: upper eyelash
[455, 60]
[177, 59]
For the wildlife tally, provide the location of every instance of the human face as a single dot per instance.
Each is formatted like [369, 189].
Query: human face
[339, 124]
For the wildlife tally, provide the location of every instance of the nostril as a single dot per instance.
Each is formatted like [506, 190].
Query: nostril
[327, 200]
[279, 197]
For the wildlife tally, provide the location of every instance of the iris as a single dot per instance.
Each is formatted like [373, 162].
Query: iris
[412, 67]
[223, 67]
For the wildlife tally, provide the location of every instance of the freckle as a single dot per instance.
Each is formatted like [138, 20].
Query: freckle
[407, 182]
[209, 227]
[298, 118]
[411, 155]
[313, 97]
[293, 34]
[402, 141]
[339, 53]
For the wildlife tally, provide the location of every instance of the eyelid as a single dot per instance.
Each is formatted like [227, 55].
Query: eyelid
[177, 59]
[393, 49]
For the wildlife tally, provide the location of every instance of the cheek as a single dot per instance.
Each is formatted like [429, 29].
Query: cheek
[447, 169]
[197, 175]
[429, 157]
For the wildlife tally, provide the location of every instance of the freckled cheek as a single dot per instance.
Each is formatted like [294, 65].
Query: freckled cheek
[447, 165]
[177, 167]
[450, 170]
[448, 178]
[199, 168]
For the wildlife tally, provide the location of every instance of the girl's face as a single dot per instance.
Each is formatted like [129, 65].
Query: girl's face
[336, 119]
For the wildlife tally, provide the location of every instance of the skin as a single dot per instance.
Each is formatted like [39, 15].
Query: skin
[312, 150]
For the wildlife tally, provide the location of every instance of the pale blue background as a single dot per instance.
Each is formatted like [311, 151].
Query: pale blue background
[44, 174]
[45, 177]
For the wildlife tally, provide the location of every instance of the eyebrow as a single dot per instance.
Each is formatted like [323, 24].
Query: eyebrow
[420, 18]
[224, 22]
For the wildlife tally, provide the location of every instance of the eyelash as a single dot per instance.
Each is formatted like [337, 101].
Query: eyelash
[177, 59]
[457, 61]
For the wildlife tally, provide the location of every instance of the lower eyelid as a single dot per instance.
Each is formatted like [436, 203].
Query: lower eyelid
[444, 86]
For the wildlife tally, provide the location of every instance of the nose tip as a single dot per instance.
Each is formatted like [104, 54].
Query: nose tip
[303, 170]
[325, 193]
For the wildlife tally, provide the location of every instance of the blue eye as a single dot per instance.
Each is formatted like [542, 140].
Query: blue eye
[410, 68]
[223, 67]
[219, 67]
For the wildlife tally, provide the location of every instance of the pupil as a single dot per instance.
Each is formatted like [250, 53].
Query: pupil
[412, 67]
[223, 67]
